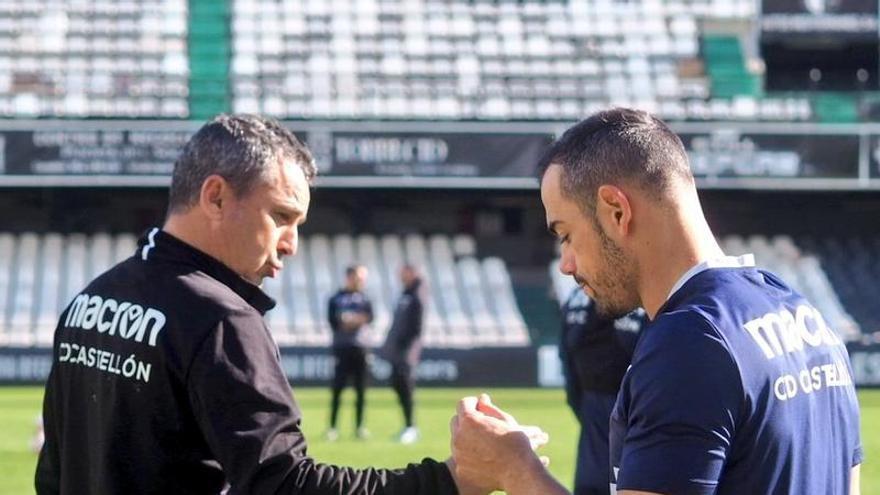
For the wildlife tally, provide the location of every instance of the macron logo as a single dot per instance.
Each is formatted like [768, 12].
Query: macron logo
[784, 332]
[128, 320]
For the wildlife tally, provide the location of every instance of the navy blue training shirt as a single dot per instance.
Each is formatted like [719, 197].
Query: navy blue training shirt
[353, 302]
[738, 386]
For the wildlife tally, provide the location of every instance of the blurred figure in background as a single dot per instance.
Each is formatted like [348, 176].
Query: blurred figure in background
[348, 312]
[595, 353]
[403, 347]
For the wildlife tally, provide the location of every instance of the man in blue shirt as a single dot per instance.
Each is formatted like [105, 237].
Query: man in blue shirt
[595, 352]
[349, 311]
[737, 385]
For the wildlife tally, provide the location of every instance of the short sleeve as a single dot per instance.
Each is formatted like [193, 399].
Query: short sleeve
[684, 394]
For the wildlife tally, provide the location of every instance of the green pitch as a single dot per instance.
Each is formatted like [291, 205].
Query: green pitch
[20, 406]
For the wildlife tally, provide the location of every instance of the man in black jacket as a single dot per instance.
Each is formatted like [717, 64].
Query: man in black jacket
[165, 378]
[349, 311]
[403, 347]
[595, 352]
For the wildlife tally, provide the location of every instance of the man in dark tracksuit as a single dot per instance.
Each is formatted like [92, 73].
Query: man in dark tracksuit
[165, 378]
[403, 346]
[348, 312]
[595, 353]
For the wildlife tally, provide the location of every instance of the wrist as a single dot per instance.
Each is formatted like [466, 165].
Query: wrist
[525, 471]
[462, 486]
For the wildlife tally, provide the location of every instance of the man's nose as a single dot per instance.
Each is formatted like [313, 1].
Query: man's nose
[289, 242]
[566, 263]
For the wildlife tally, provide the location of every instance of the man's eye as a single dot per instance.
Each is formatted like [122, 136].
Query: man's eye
[563, 239]
[280, 218]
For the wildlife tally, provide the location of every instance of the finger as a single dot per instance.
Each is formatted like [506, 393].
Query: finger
[467, 405]
[485, 406]
[537, 437]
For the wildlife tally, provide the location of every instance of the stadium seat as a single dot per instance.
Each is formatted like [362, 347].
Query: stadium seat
[471, 303]
[94, 59]
[7, 251]
[23, 302]
[49, 305]
[512, 326]
[501, 62]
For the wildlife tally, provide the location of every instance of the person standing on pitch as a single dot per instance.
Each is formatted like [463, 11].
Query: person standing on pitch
[165, 377]
[595, 353]
[349, 312]
[737, 386]
[403, 346]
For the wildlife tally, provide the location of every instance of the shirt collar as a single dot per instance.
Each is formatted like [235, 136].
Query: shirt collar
[744, 261]
[157, 244]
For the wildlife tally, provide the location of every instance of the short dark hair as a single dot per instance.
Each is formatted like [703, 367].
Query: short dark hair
[352, 269]
[616, 146]
[241, 148]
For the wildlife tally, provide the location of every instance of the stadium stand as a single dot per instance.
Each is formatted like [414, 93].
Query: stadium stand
[471, 300]
[94, 59]
[810, 270]
[853, 270]
[411, 59]
[390, 59]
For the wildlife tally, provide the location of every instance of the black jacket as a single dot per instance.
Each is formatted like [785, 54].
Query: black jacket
[165, 379]
[402, 343]
[595, 351]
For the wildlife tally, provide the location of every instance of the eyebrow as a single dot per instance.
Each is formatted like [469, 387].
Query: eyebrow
[291, 210]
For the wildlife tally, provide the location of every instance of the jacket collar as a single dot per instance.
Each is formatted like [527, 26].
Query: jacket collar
[157, 244]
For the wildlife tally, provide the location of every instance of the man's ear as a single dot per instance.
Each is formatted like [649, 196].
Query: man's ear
[213, 196]
[613, 210]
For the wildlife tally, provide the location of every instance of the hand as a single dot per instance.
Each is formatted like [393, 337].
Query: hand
[352, 320]
[490, 448]
[465, 486]
[537, 437]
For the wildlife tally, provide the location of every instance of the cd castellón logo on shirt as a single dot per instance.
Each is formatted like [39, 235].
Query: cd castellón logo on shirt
[784, 332]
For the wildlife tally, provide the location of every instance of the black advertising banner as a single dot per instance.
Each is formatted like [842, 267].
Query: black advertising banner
[852, 19]
[481, 367]
[495, 367]
[728, 153]
[90, 151]
[874, 155]
[485, 366]
[866, 364]
[427, 154]
[152, 152]
[143, 154]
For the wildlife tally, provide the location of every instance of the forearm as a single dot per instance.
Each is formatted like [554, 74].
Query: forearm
[531, 477]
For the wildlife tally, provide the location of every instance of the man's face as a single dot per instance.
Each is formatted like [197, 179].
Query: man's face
[357, 279]
[407, 276]
[599, 266]
[262, 226]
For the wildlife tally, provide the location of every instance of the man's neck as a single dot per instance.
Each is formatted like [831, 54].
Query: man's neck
[186, 229]
[672, 254]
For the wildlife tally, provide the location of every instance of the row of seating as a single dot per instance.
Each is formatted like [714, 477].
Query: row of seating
[806, 272]
[853, 267]
[471, 301]
[451, 107]
[483, 60]
[102, 59]
[376, 59]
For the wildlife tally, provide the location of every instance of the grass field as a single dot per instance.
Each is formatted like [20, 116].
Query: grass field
[19, 407]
